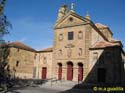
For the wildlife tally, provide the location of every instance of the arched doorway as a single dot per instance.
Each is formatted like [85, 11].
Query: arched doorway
[44, 72]
[69, 71]
[59, 71]
[80, 71]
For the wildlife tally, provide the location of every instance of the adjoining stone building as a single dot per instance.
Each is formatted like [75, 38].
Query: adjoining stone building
[43, 64]
[81, 51]
[20, 60]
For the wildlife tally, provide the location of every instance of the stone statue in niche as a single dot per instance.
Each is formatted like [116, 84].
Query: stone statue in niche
[69, 52]
[62, 11]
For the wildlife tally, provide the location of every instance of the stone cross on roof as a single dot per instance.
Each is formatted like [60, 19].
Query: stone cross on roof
[72, 7]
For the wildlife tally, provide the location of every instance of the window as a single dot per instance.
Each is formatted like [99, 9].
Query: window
[80, 35]
[17, 63]
[60, 37]
[70, 35]
[80, 51]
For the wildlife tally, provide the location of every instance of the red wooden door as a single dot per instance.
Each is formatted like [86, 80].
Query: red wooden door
[80, 73]
[60, 72]
[44, 72]
[70, 72]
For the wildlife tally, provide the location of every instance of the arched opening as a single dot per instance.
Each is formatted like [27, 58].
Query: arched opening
[69, 71]
[80, 35]
[44, 73]
[59, 71]
[80, 71]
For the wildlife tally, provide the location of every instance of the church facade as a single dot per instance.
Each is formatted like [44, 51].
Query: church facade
[82, 51]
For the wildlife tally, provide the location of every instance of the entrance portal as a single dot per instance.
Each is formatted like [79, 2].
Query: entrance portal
[44, 73]
[59, 71]
[80, 71]
[69, 71]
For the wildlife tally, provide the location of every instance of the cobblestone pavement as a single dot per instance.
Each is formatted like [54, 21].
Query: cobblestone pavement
[37, 90]
[47, 90]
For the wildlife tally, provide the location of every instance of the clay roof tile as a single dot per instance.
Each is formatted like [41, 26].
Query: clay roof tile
[46, 50]
[104, 44]
[18, 44]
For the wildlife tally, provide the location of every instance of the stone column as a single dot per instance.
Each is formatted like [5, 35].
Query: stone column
[75, 72]
[64, 71]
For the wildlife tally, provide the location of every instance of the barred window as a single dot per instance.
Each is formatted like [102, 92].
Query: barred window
[70, 35]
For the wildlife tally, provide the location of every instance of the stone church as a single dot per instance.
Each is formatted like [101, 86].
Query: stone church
[82, 51]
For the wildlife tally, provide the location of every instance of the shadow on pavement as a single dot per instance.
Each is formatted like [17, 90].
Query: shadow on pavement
[20, 84]
[107, 74]
[95, 88]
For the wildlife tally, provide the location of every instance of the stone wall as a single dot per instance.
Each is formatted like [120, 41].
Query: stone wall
[21, 62]
[44, 59]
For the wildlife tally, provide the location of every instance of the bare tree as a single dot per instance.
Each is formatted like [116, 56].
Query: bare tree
[4, 48]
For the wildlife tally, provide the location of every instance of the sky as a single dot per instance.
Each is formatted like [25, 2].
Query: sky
[33, 20]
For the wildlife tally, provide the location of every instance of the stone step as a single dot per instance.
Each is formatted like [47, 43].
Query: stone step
[60, 83]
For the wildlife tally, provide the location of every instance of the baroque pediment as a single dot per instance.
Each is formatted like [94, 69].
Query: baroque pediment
[71, 19]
